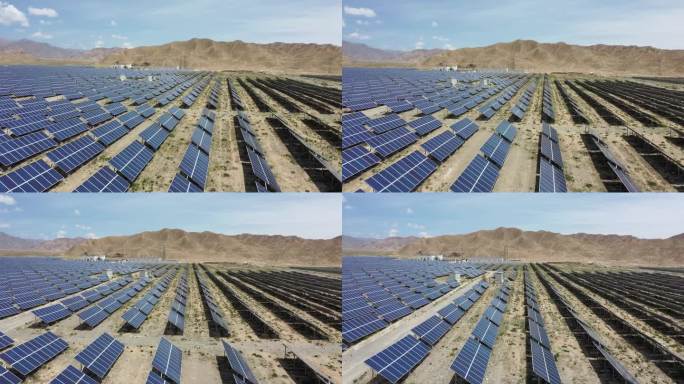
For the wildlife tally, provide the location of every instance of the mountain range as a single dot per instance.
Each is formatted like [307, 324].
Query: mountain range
[202, 54]
[175, 244]
[529, 55]
[529, 246]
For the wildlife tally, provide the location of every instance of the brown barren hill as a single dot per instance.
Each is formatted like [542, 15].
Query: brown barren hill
[207, 54]
[547, 246]
[12, 245]
[174, 244]
[532, 56]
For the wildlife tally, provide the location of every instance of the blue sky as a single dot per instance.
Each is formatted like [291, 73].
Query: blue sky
[127, 23]
[404, 25]
[46, 216]
[651, 215]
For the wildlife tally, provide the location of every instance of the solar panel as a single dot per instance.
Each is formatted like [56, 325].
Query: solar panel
[479, 176]
[29, 356]
[261, 170]
[486, 332]
[110, 132]
[104, 180]
[134, 317]
[72, 375]
[431, 330]
[52, 314]
[538, 333]
[181, 184]
[93, 316]
[360, 327]
[403, 176]
[167, 121]
[35, 177]
[507, 131]
[356, 160]
[74, 154]
[443, 145]
[131, 161]
[16, 150]
[207, 124]
[75, 303]
[451, 313]
[154, 136]
[354, 134]
[471, 362]
[195, 165]
[396, 361]
[550, 132]
[551, 178]
[493, 315]
[115, 109]
[624, 178]
[7, 377]
[551, 150]
[177, 319]
[394, 311]
[153, 378]
[177, 112]
[425, 125]
[543, 364]
[131, 119]
[63, 130]
[99, 357]
[202, 139]
[5, 341]
[496, 149]
[464, 128]
[238, 364]
[385, 123]
[167, 361]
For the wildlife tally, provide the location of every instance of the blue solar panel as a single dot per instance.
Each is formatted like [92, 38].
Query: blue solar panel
[550, 132]
[167, 121]
[543, 364]
[195, 165]
[471, 362]
[35, 177]
[5, 341]
[75, 303]
[538, 333]
[96, 116]
[464, 128]
[177, 319]
[131, 119]
[385, 123]
[354, 134]
[262, 171]
[93, 316]
[16, 150]
[153, 378]
[399, 106]
[479, 176]
[403, 176]
[110, 132]
[551, 150]
[202, 139]
[356, 160]
[29, 356]
[177, 113]
[7, 377]
[443, 145]
[72, 375]
[431, 330]
[394, 311]
[115, 108]
[131, 161]
[154, 136]
[52, 314]
[425, 125]
[551, 178]
[167, 361]
[493, 315]
[238, 364]
[451, 313]
[396, 361]
[66, 129]
[99, 357]
[181, 184]
[146, 111]
[74, 154]
[486, 332]
[104, 180]
[390, 142]
[207, 124]
[134, 317]
[360, 327]
[496, 149]
[507, 131]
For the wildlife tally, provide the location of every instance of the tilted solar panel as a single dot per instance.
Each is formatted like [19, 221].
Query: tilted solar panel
[543, 364]
[181, 184]
[551, 178]
[29, 356]
[74, 154]
[396, 361]
[110, 132]
[167, 361]
[104, 180]
[131, 161]
[551, 150]
[360, 327]
[443, 145]
[67, 129]
[195, 165]
[52, 313]
[16, 150]
[35, 177]
[356, 160]
[99, 357]
[154, 136]
[464, 128]
[7, 377]
[390, 142]
[5, 341]
[403, 176]
[496, 149]
[238, 364]
[471, 362]
[479, 176]
[72, 375]
[385, 123]
[425, 125]
[202, 139]
[431, 330]
[262, 171]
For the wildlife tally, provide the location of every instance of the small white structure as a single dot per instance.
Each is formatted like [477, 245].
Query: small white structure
[95, 258]
[430, 257]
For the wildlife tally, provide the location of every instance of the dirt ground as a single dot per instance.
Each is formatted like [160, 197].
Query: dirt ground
[519, 172]
[200, 351]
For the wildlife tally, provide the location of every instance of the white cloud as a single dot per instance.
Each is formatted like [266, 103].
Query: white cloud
[119, 37]
[9, 14]
[365, 12]
[61, 233]
[358, 36]
[83, 227]
[440, 38]
[45, 22]
[415, 226]
[44, 12]
[448, 46]
[113, 23]
[420, 44]
[41, 35]
[127, 45]
[393, 232]
[99, 44]
[4, 225]
[423, 234]
[7, 200]
[409, 211]
[362, 22]
[434, 24]
[90, 235]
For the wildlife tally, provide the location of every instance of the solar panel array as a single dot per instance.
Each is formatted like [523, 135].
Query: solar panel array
[551, 175]
[71, 375]
[235, 100]
[378, 291]
[403, 176]
[520, 108]
[75, 123]
[5, 341]
[27, 357]
[265, 181]
[620, 171]
[107, 300]
[167, 361]
[540, 356]
[548, 114]
[176, 317]
[136, 315]
[490, 109]
[99, 357]
[238, 365]
[216, 318]
[575, 111]
[472, 360]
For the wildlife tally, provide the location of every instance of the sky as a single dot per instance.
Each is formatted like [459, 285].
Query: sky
[449, 24]
[54, 215]
[126, 23]
[647, 215]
